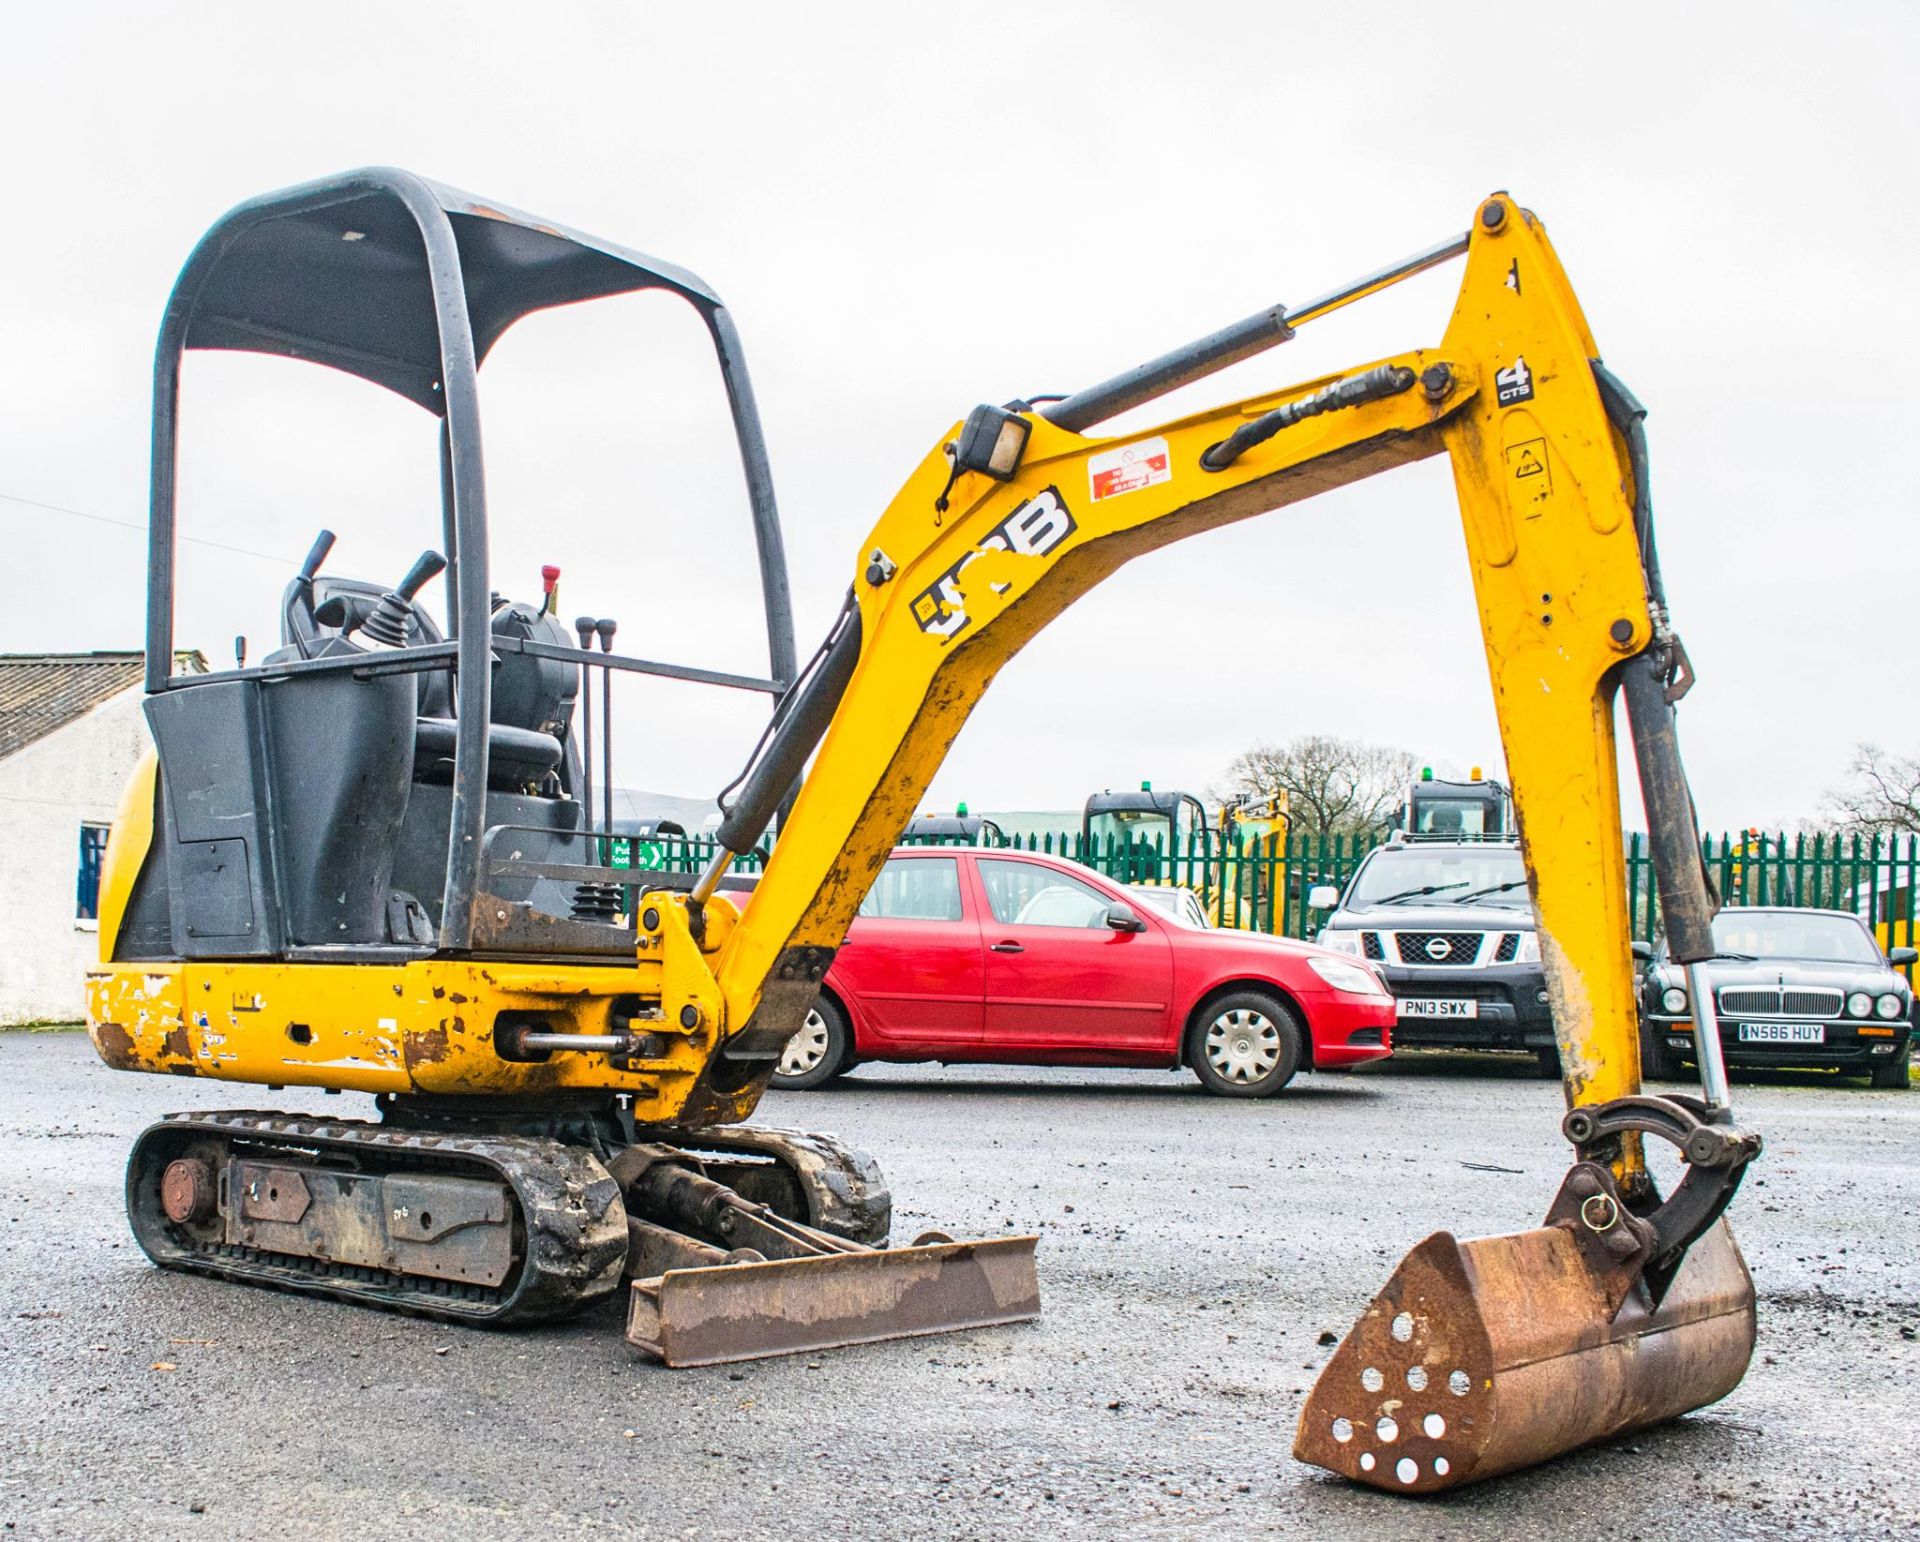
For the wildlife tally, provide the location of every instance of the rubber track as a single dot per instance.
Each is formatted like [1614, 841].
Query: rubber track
[569, 1208]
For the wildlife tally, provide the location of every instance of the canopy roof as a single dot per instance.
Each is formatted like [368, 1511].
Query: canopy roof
[340, 271]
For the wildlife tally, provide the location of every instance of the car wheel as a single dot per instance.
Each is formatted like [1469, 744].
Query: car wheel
[1246, 1045]
[1657, 1062]
[1548, 1060]
[1894, 1077]
[819, 1052]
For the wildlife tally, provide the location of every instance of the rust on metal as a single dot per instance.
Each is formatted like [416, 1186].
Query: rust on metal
[429, 1047]
[187, 1191]
[115, 1046]
[744, 1311]
[652, 1250]
[1486, 1356]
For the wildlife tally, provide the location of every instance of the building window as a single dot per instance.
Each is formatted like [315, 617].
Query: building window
[93, 851]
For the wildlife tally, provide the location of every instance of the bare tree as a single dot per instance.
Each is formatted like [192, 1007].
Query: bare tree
[1333, 786]
[1881, 795]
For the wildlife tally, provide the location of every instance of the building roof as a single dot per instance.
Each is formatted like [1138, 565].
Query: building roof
[42, 692]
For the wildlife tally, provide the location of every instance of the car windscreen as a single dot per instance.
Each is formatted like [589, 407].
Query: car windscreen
[1442, 876]
[1794, 934]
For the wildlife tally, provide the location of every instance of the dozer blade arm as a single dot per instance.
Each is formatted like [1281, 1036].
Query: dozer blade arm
[1018, 513]
[779, 1286]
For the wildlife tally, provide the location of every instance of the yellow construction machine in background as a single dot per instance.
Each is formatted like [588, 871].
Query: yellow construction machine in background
[365, 863]
[1234, 864]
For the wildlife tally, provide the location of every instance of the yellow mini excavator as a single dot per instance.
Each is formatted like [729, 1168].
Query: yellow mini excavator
[371, 861]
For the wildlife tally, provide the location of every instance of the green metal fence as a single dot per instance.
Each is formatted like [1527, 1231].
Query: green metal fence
[1873, 877]
[674, 854]
[1262, 883]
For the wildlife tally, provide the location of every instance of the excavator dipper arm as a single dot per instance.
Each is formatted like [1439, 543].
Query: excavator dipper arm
[1016, 515]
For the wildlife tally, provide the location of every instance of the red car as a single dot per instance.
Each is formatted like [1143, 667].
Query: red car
[961, 954]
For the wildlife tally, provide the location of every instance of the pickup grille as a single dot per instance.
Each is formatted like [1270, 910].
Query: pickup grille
[1771, 1001]
[1439, 948]
[1370, 945]
[1509, 948]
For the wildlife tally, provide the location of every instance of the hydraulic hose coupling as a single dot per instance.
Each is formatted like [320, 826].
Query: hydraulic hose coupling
[1370, 385]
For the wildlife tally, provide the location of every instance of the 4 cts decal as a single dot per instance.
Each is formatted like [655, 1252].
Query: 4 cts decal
[1514, 383]
[1037, 527]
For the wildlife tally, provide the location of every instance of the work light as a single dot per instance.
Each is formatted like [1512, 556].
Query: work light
[991, 442]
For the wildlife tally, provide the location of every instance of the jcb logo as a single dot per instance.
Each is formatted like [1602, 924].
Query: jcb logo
[1037, 527]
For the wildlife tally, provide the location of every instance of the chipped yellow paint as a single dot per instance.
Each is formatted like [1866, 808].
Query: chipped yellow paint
[425, 1026]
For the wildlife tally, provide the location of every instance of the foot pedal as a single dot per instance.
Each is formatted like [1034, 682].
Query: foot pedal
[746, 1311]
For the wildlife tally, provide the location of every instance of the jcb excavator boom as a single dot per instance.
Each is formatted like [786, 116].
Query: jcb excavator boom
[501, 1020]
[1600, 1321]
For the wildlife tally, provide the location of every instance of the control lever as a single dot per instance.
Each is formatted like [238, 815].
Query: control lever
[583, 627]
[606, 627]
[322, 544]
[299, 624]
[387, 626]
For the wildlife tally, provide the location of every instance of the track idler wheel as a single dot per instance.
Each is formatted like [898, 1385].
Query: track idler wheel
[1485, 1356]
[189, 1191]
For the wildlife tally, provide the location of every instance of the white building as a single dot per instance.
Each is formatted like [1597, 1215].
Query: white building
[71, 731]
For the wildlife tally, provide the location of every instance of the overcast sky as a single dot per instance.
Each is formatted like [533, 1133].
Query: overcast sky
[910, 209]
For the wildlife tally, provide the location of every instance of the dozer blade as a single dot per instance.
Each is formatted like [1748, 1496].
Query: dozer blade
[1481, 1357]
[744, 1311]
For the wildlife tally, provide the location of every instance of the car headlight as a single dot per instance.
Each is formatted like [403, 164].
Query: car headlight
[1889, 1005]
[1351, 978]
[1527, 950]
[1674, 1000]
[1859, 1004]
[1341, 941]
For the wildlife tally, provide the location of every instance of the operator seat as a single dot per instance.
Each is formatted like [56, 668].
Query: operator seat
[532, 697]
[532, 711]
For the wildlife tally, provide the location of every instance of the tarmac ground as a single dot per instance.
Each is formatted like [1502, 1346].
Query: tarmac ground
[1195, 1252]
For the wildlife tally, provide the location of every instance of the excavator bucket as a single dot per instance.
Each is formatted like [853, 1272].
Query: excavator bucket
[1485, 1356]
[743, 1311]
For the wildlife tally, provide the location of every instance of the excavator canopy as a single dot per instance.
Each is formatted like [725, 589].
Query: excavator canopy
[408, 284]
[352, 272]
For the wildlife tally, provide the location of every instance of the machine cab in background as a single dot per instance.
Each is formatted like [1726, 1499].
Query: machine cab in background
[1469, 810]
[387, 783]
[1138, 833]
[960, 828]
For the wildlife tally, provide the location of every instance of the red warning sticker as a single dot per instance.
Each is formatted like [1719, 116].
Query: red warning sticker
[1129, 468]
